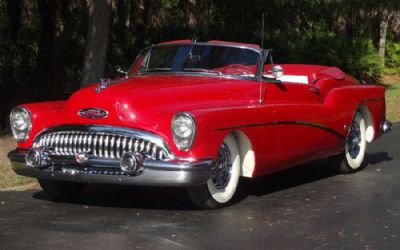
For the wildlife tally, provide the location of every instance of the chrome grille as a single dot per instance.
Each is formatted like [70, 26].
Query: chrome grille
[105, 145]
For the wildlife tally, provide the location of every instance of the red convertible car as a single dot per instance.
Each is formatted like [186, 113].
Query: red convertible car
[200, 115]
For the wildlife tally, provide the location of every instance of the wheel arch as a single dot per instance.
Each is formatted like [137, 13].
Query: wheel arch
[369, 123]
[246, 153]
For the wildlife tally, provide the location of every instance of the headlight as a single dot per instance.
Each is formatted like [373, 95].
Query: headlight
[21, 123]
[183, 130]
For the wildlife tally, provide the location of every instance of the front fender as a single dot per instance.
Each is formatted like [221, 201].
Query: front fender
[43, 113]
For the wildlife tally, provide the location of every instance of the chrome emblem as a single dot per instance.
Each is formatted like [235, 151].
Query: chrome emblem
[93, 113]
[82, 157]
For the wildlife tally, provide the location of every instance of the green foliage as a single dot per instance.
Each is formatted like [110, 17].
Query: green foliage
[299, 32]
[393, 55]
[318, 45]
[369, 65]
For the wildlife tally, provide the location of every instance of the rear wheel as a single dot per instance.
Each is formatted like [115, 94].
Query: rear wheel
[62, 190]
[222, 185]
[352, 158]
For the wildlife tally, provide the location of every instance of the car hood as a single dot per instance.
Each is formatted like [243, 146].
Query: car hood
[144, 101]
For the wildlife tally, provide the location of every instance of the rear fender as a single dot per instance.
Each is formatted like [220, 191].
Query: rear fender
[344, 102]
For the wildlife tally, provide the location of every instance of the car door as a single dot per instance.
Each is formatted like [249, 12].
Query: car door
[301, 118]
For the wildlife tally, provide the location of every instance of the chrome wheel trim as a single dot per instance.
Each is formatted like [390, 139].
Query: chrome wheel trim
[222, 171]
[354, 140]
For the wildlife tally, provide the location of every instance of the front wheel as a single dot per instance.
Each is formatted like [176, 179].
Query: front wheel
[224, 179]
[62, 190]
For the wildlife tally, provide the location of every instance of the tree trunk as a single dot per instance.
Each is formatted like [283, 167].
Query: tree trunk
[341, 25]
[396, 23]
[14, 10]
[8, 85]
[44, 72]
[139, 23]
[383, 34]
[192, 19]
[96, 41]
[122, 15]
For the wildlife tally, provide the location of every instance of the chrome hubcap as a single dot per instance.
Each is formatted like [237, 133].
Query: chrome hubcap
[354, 140]
[222, 171]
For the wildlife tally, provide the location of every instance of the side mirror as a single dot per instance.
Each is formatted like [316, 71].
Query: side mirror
[119, 70]
[277, 71]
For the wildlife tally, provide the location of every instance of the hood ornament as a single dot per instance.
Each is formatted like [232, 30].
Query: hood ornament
[93, 113]
[104, 83]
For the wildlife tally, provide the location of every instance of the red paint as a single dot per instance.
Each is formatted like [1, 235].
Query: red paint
[221, 105]
[178, 41]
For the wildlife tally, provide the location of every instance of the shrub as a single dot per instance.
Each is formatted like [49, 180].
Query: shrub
[393, 55]
[356, 56]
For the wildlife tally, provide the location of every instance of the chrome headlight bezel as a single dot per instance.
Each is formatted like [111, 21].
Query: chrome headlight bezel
[183, 142]
[21, 134]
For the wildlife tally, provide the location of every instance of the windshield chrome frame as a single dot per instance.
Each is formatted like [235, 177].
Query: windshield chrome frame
[262, 55]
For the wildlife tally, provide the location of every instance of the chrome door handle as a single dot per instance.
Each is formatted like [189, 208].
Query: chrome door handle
[314, 89]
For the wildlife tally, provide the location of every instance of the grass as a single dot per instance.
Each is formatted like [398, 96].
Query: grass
[9, 179]
[7, 176]
[392, 82]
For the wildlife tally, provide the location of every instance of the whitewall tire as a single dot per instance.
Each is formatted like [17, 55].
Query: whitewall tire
[222, 185]
[356, 143]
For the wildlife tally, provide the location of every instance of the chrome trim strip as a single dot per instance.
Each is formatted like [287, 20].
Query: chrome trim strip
[238, 46]
[198, 74]
[315, 125]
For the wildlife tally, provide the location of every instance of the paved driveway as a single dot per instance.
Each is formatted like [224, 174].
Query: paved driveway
[304, 208]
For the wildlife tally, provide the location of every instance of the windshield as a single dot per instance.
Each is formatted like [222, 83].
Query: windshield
[199, 59]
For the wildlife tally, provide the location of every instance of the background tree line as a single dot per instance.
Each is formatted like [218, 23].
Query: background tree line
[50, 48]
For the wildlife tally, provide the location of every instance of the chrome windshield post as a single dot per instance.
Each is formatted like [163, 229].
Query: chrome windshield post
[264, 56]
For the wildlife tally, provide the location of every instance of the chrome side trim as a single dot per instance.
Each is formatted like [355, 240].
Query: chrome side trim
[320, 126]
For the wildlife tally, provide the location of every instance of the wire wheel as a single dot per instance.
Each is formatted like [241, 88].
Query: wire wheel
[222, 171]
[355, 146]
[224, 178]
[354, 140]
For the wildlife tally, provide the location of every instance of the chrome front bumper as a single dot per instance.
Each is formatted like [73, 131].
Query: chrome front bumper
[96, 170]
